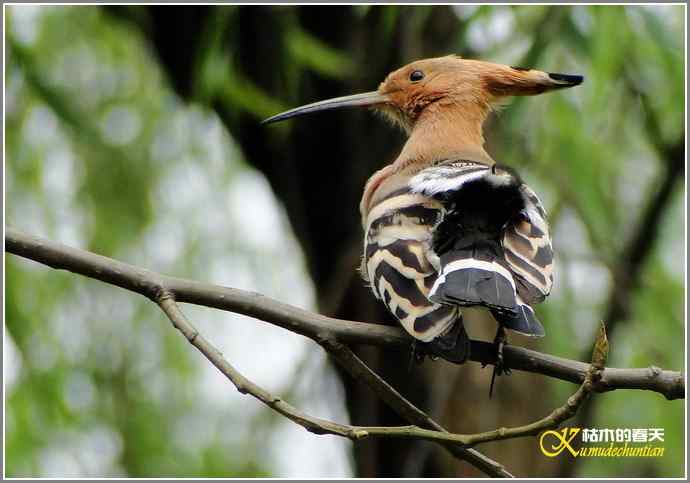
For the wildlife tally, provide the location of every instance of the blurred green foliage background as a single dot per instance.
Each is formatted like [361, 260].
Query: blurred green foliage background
[103, 153]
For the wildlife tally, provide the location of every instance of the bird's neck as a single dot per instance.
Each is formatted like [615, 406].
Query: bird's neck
[441, 132]
[444, 132]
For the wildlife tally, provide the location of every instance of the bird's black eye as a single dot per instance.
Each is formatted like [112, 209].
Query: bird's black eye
[416, 75]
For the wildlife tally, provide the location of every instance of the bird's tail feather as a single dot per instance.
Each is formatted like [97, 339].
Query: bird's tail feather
[523, 321]
[470, 281]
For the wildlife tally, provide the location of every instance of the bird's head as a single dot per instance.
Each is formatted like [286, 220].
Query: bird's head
[464, 85]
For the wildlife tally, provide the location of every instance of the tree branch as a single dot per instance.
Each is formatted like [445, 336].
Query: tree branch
[331, 334]
[167, 303]
[161, 289]
[317, 327]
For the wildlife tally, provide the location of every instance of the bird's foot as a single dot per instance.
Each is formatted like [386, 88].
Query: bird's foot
[499, 367]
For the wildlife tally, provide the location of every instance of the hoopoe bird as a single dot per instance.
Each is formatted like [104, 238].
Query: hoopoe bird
[446, 228]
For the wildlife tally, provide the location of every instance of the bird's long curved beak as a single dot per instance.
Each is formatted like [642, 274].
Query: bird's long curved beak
[357, 100]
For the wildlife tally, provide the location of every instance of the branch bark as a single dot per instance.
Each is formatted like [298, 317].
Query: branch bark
[317, 327]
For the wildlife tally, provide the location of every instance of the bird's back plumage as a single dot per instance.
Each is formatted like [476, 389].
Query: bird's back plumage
[458, 234]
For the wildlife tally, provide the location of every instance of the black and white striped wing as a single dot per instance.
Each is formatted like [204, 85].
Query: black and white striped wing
[526, 241]
[397, 266]
[528, 251]
[506, 267]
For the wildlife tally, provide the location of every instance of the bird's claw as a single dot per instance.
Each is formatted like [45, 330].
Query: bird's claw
[499, 367]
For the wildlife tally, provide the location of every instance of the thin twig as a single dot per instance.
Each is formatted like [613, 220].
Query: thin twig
[317, 327]
[315, 425]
